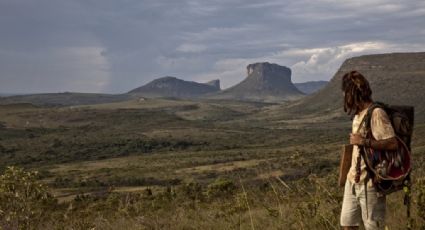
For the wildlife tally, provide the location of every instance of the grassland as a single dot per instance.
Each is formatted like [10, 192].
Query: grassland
[176, 164]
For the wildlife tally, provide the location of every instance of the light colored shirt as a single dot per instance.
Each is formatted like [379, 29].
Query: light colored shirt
[381, 128]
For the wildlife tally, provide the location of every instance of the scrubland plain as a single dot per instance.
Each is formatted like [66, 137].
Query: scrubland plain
[180, 164]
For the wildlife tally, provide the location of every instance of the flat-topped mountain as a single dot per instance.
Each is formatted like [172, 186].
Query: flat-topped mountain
[396, 78]
[264, 82]
[174, 87]
[310, 87]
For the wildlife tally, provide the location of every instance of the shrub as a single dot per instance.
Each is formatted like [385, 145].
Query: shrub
[221, 188]
[191, 190]
[23, 200]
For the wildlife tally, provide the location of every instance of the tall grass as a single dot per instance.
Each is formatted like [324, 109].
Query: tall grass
[309, 203]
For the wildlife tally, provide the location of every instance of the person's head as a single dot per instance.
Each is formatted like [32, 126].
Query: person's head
[356, 90]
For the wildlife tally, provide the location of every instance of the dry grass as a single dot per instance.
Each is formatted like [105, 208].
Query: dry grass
[148, 103]
[221, 167]
[87, 166]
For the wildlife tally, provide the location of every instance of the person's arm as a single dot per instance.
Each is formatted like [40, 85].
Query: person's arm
[382, 131]
[385, 144]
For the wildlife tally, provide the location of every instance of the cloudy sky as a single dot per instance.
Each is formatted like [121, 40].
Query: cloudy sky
[112, 46]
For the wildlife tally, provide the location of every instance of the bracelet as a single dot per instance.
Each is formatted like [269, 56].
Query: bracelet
[367, 142]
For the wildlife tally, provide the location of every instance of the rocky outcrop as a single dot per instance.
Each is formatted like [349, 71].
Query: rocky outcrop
[173, 87]
[264, 82]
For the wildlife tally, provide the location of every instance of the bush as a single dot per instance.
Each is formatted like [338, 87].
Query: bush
[23, 200]
[191, 190]
[221, 188]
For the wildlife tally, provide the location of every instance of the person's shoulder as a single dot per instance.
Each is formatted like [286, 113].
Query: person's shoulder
[379, 110]
[379, 114]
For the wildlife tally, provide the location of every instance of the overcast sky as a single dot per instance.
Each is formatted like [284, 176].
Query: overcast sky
[112, 46]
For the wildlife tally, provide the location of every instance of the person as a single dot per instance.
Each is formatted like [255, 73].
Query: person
[361, 201]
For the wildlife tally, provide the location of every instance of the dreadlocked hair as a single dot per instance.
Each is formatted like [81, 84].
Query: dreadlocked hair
[356, 91]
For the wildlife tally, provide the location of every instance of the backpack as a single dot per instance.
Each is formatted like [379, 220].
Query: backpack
[390, 170]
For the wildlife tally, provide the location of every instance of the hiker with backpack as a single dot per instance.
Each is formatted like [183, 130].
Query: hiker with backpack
[375, 157]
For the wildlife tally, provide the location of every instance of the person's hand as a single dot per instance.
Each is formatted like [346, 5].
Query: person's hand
[356, 139]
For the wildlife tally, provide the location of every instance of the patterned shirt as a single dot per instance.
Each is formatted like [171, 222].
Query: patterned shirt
[381, 129]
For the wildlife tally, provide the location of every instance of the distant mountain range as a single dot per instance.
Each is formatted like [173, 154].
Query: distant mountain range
[310, 86]
[60, 99]
[6, 94]
[214, 83]
[264, 82]
[397, 78]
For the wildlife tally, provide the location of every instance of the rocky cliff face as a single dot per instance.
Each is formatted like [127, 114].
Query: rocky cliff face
[173, 87]
[264, 82]
[397, 78]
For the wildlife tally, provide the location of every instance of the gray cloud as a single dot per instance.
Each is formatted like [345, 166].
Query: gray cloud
[113, 46]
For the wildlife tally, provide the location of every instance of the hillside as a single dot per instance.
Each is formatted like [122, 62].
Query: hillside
[396, 78]
[174, 87]
[264, 82]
